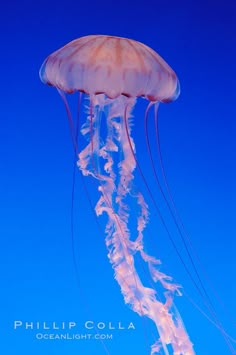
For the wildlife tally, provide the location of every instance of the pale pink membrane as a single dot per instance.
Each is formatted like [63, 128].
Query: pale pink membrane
[111, 65]
[115, 185]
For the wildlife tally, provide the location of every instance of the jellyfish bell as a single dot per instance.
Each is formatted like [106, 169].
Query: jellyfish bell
[113, 72]
[111, 65]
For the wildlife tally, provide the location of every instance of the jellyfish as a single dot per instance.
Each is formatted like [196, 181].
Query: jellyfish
[113, 73]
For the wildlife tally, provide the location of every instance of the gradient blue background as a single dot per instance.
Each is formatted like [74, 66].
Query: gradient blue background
[38, 281]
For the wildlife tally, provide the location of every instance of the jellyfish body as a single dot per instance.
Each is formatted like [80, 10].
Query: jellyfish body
[110, 65]
[115, 71]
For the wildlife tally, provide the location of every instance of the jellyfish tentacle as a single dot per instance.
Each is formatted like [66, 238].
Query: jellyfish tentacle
[114, 187]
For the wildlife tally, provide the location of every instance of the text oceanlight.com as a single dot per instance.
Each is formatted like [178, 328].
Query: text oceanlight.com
[77, 336]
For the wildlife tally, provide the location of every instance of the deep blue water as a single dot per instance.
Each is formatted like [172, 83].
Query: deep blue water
[38, 282]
